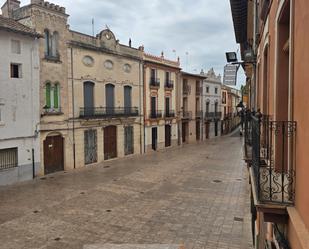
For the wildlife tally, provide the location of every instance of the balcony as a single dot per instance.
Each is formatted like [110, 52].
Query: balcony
[213, 116]
[106, 112]
[154, 83]
[186, 89]
[169, 114]
[155, 114]
[186, 115]
[270, 150]
[52, 111]
[169, 85]
[198, 114]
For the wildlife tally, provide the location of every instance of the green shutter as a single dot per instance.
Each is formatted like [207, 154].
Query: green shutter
[56, 96]
[48, 95]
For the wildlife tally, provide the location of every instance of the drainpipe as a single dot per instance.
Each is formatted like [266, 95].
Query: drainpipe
[144, 105]
[33, 165]
[73, 109]
[140, 107]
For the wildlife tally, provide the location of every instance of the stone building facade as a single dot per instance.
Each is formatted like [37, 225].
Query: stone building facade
[211, 104]
[105, 80]
[19, 102]
[160, 107]
[190, 98]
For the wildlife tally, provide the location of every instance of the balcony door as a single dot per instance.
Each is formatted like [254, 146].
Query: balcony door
[127, 99]
[88, 98]
[110, 98]
[153, 107]
[167, 107]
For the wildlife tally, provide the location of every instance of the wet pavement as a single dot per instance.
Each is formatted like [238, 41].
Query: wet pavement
[196, 195]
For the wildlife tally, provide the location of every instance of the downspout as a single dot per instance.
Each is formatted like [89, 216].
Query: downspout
[140, 107]
[144, 105]
[73, 109]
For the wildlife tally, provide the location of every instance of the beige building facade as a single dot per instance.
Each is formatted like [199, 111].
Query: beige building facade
[191, 107]
[160, 93]
[105, 82]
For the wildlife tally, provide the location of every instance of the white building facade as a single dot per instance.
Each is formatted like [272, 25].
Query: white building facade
[211, 104]
[19, 102]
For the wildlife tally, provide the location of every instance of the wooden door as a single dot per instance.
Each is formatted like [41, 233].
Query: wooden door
[207, 130]
[198, 130]
[168, 135]
[110, 142]
[127, 99]
[88, 98]
[153, 107]
[216, 128]
[53, 154]
[128, 140]
[110, 98]
[184, 132]
[154, 137]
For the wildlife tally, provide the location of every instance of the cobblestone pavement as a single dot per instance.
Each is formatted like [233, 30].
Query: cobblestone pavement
[196, 195]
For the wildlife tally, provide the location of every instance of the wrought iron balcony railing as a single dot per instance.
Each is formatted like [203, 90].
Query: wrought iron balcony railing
[186, 89]
[169, 114]
[186, 115]
[155, 114]
[107, 112]
[198, 114]
[154, 82]
[273, 152]
[212, 116]
[169, 84]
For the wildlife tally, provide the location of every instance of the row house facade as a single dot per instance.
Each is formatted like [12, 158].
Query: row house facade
[161, 78]
[105, 82]
[230, 98]
[19, 102]
[211, 104]
[274, 43]
[190, 101]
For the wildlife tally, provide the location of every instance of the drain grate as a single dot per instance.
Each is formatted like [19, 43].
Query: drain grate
[82, 193]
[108, 210]
[43, 178]
[57, 239]
[238, 219]
[217, 181]
[35, 211]
[106, 167]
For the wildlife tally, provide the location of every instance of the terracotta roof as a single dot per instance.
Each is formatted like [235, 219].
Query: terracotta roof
[9, 24]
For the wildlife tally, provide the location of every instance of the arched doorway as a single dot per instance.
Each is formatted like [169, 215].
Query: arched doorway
[53, 154]
[110, 142]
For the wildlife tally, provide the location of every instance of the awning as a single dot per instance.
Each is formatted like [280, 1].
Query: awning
[240, 15]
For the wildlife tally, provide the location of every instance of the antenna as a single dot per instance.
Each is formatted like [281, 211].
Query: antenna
[187, 60]
[93, 27]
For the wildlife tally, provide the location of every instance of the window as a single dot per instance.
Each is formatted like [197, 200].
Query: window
[51, 44]
[52, 97]
[216, 90]
[207, 107]
[15, 70]
[15, 47]
[207, 89]
[8, 158]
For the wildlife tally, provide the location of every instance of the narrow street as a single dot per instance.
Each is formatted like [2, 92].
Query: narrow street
[196, 195]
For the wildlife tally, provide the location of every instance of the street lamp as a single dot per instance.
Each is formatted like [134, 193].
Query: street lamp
[231, 57]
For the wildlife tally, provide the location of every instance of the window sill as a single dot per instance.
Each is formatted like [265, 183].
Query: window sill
[52, 59]
[55, 113]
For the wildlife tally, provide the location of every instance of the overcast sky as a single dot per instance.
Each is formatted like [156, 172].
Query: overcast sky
[201, 28]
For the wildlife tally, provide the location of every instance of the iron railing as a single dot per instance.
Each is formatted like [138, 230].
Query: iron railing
[186, 115]
[169, 114]
[212, 116]
[281, 238]
[169, 84]
[155, 114]
[8, 158]
[273, 151]
[186, 89]
[154, 82]
[107, 112]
